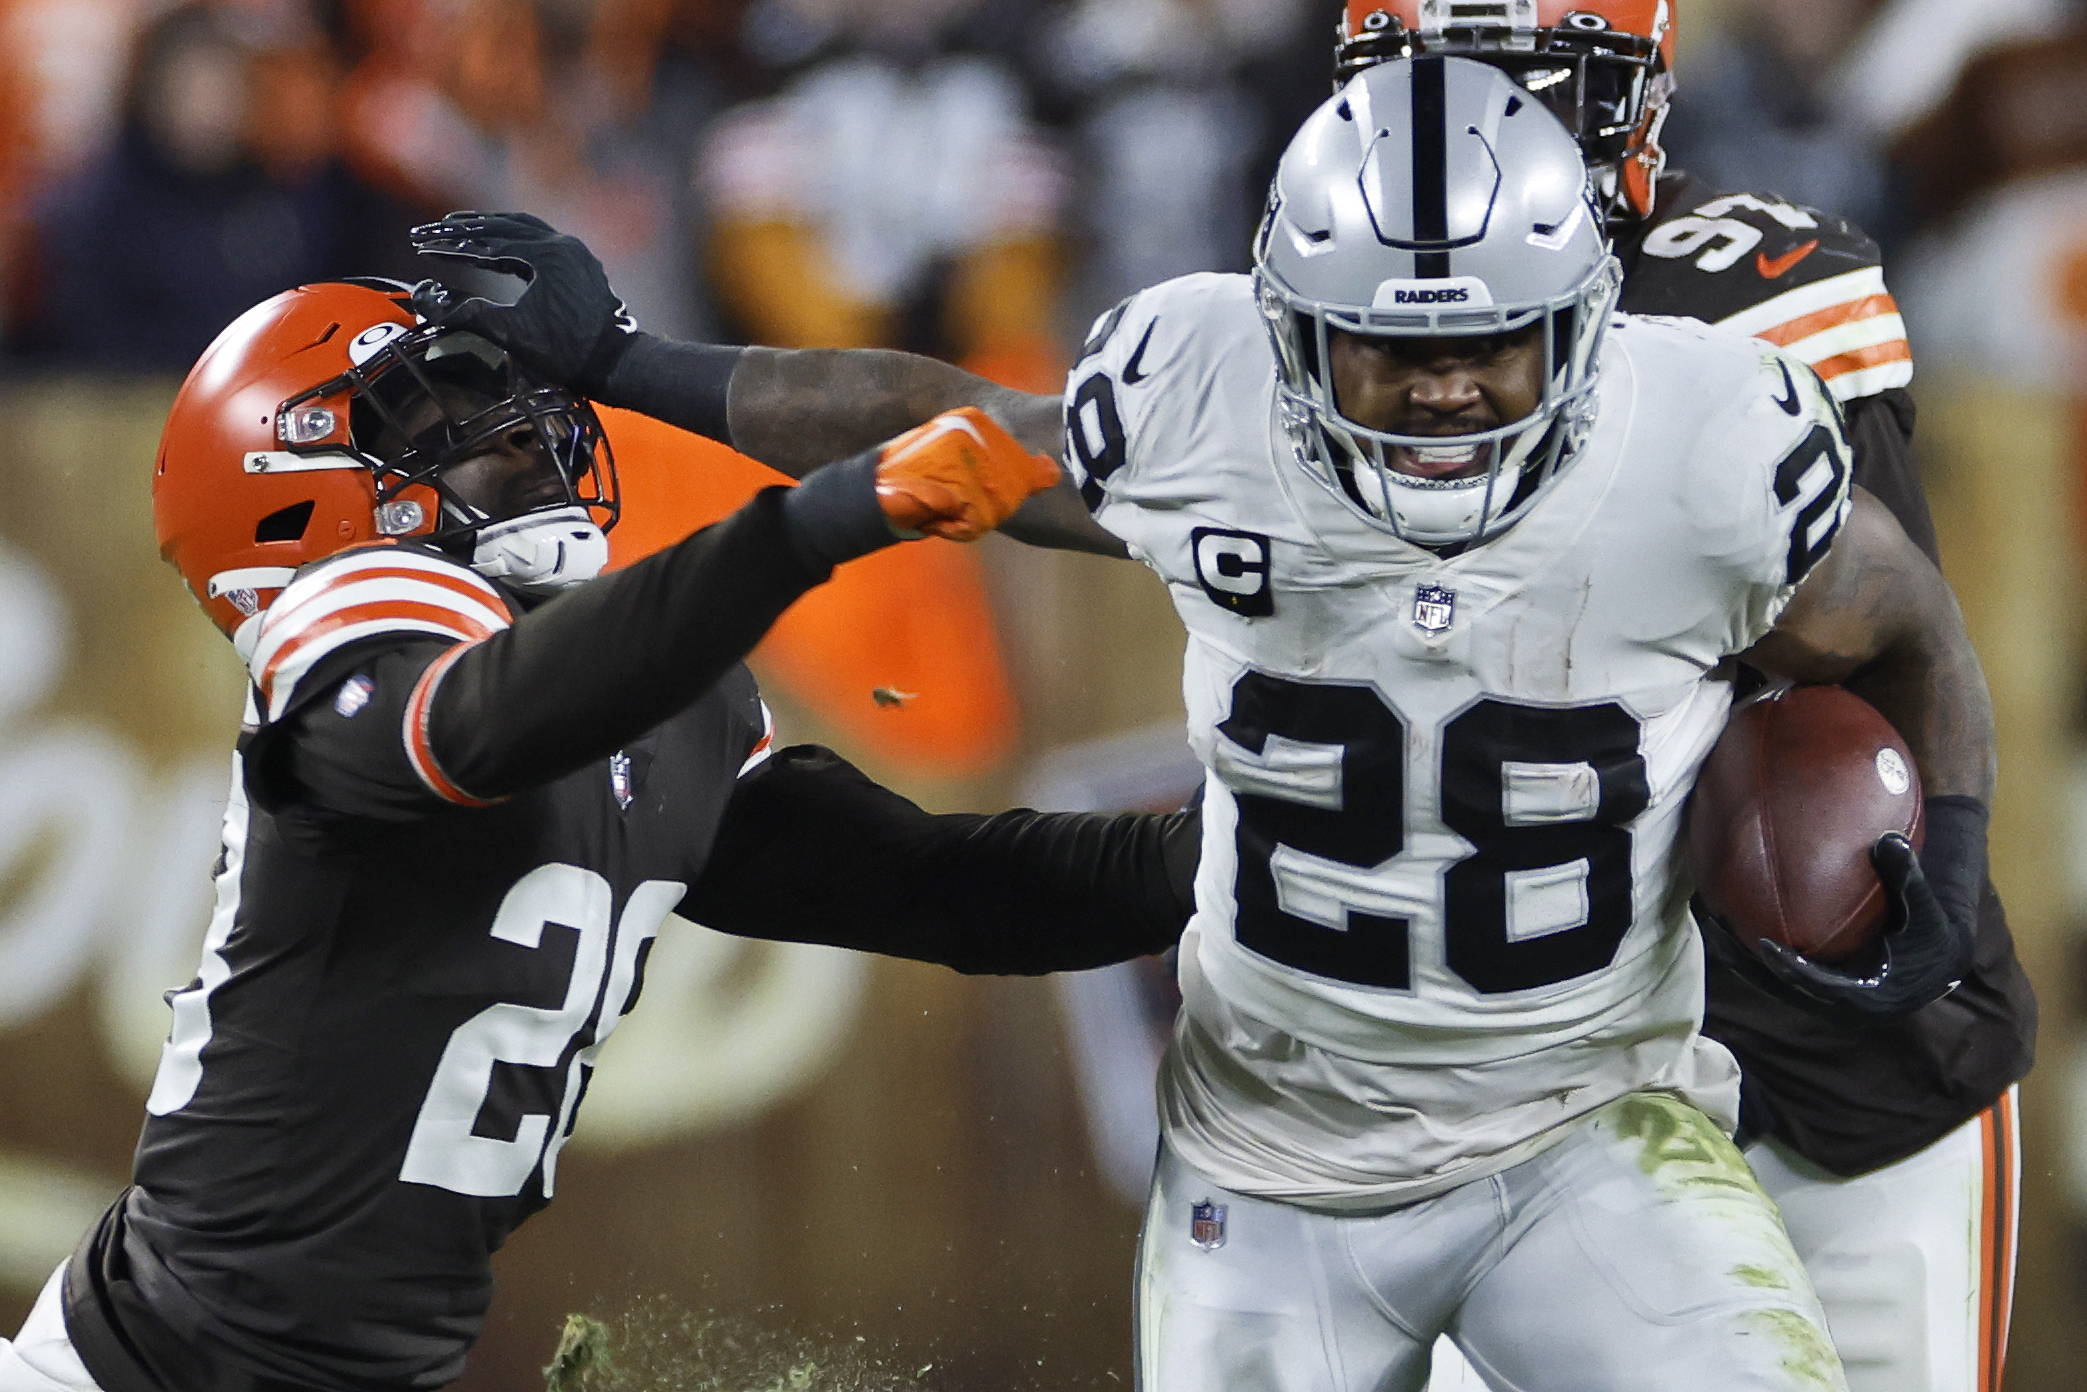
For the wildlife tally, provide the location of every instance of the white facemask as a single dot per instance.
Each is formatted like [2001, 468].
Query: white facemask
[544, 552]
[1435, 512]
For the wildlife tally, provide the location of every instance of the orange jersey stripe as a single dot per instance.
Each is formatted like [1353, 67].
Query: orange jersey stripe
[2006, 1211]
[483, 595]
[419, 752]
[1988, 1239]
[397, 609]
[1855, 359]
[763, 745]
[1847, 312]
[1997, 1219]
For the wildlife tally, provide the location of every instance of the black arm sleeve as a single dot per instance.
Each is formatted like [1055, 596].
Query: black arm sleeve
[578, 678]
[812, 851]
[680, 383]
[1880, 431]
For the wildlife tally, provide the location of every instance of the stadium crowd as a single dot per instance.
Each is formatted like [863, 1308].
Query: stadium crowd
[971, 178]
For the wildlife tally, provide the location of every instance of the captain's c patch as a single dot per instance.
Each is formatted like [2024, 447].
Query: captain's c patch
[1232, 567]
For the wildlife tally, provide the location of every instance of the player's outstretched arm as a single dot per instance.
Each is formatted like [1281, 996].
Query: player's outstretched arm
[809, 850]
[579, 677]
[792, 409]
[636, 646]
[1876, 616]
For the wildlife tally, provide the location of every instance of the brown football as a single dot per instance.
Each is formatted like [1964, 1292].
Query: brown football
[1799, 786]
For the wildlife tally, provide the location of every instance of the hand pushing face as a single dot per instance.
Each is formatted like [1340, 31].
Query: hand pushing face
[1446, 385]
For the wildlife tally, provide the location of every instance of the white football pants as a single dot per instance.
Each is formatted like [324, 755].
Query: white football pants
[1914, 1263]
[41, 1357]
[1638, 1254]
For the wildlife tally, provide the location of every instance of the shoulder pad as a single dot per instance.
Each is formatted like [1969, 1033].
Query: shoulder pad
[1179, 326]
[367, 593]
[1804, 280]
[1774, 460]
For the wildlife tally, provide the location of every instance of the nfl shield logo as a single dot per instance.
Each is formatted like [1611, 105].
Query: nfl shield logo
[619, 778]
[1206, 1225]
[1433, 608]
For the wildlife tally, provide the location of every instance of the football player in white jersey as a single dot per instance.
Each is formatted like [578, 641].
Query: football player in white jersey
[1464, 559]
[1461, 567]
[1891, 1147]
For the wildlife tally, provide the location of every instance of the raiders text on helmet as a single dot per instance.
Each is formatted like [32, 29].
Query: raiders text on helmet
[1604, 67]
[328, 416]
[1432, 197]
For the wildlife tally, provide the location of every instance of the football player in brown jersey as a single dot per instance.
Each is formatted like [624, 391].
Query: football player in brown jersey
[474, 779]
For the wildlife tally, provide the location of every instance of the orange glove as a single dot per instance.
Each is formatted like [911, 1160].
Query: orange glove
[958, 476]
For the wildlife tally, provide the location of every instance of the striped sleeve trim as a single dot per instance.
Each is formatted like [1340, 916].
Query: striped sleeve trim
[365, 597]
[1867, 371]
[419, 752]
[1848, 314]
[1999, 1227]
[764, 746]
[1847, 328]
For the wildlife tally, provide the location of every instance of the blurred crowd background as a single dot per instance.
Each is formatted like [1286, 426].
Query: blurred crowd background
[880, 1161]
[963, 177]
[973, 178]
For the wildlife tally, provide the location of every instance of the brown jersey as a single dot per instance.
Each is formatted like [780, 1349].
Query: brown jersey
[1849, 1097]
[457, 824]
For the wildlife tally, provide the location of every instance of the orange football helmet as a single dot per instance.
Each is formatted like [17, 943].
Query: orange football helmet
[324, 418]
[1605, 67]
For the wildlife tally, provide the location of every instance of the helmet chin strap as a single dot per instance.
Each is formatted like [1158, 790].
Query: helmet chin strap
[542, 552]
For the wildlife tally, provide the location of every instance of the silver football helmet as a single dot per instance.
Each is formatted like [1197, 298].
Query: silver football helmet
[1433, 197]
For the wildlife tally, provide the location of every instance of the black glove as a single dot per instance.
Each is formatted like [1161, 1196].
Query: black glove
[1929, 940]
[568, 328]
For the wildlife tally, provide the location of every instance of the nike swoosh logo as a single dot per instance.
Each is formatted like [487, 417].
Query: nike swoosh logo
[1790, 404]
[1781, 265]
[1131, 375]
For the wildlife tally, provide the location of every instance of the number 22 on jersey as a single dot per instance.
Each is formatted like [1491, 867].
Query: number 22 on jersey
[1544, 795]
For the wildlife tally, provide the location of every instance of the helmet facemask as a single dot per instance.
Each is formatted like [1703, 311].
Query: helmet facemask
[522, 482]
[1432, 199]
[1519, 457]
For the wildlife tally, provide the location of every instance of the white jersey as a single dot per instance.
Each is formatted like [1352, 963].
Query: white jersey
[1440, 910]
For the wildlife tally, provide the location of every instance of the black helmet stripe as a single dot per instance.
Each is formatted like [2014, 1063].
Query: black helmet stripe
[1430, 167]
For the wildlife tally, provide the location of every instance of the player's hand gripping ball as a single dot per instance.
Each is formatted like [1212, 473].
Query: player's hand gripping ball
[958, 476]
[1808, 795]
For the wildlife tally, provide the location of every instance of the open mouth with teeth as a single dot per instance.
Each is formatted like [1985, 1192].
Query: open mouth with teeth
[1445, 462]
